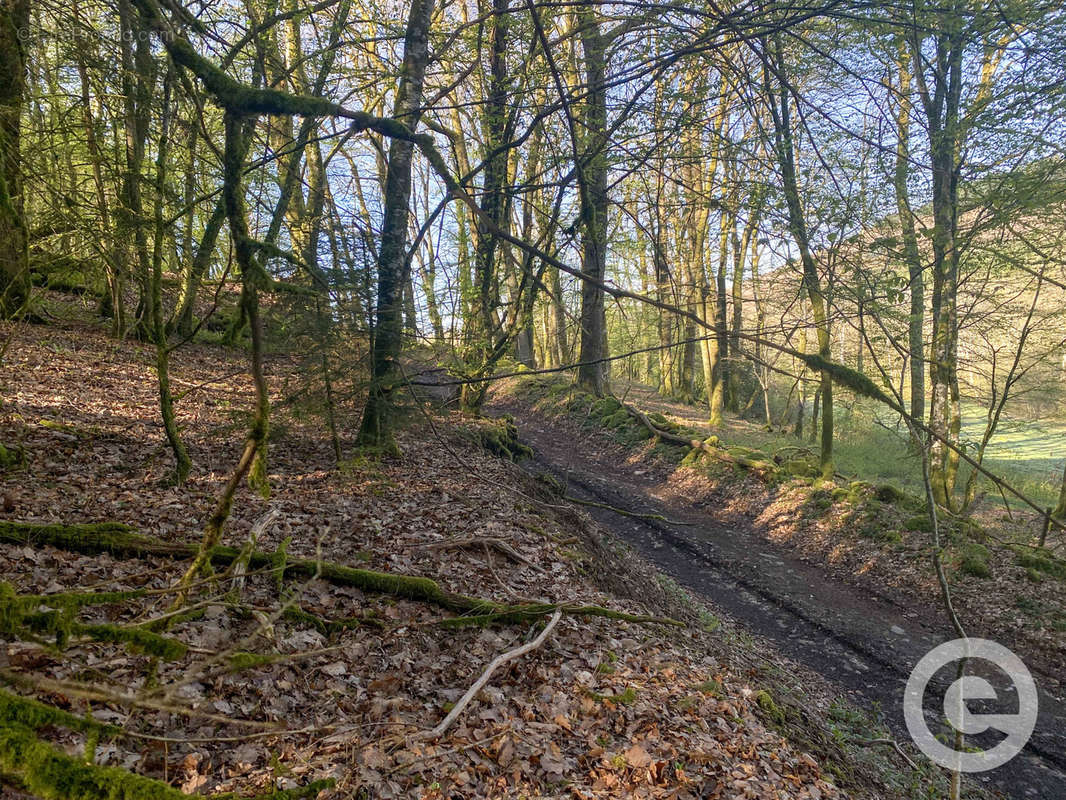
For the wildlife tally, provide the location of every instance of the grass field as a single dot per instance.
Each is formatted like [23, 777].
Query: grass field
[869, 445]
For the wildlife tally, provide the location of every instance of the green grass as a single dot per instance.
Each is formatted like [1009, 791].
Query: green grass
[1028, 455]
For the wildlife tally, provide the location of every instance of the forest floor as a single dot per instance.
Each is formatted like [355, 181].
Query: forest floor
[602, 708]
[849, 592]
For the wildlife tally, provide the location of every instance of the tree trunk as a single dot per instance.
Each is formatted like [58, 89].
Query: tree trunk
[376, 427]
[781, 111]
[911, 256]
[137, 70]
[480, 329]
[14, 270]
[592, 177]
[942, 113]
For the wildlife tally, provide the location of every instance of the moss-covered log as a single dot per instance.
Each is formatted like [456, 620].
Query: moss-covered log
[51, 774]
[696, 444]
[55, 615]
[120, 540]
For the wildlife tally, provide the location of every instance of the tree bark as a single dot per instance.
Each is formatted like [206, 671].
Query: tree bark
[376, 427]
[941, 102]
[911, 256]
[779, 104]
[592, 178]
[14, 269]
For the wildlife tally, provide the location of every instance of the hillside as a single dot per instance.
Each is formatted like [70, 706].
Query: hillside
[267, 698]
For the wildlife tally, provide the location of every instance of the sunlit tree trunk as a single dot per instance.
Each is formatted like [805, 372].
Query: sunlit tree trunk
[592, 178]
[481, 329]
[911, 256]
[780, 108]
[941, 101]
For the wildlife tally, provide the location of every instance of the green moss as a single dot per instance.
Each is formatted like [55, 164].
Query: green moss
[1042, 561]
[1034, 575]
[11, 457]
[499, 437]
[624, 698]
[921, 522]
[887, 493]
[766, 702]
[53, 775]
[242, 660]
[33, 714]
[56, 616]
[605, 407]
[138, 639]
[973, 560]
[712, 687]
[801, 468]
[618, 419]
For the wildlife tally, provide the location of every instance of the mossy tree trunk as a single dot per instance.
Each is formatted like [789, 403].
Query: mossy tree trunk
[252, 461]
[14, 271]
[480, 332]
[137, 79]
[182, 464]
[941, 92]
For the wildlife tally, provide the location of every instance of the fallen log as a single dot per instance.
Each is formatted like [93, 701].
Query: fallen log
[696, 444]
[123, 542]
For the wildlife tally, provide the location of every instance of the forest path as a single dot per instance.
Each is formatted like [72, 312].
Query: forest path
[865, 644]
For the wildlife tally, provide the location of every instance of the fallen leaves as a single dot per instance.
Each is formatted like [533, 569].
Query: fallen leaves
[600, 710]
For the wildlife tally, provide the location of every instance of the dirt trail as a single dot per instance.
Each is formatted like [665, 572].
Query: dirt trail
[866, 644]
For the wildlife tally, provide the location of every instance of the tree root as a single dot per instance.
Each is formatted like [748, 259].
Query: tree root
[120, 540]
[623, 512]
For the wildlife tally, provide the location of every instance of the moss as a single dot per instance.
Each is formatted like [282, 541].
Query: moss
[409, 587]
[801, 468]
[1042, 561]
[605, 407]
[887, 493]
[242, 660]
[712, 687]
[974, 560]
[618, 419]
[553, 484]
[56, 616]
[499, 437]
[33, 714]
[11, 457]
[138, 639]
[921, 522]
[623, 698]
[53, 775]
[766, 702]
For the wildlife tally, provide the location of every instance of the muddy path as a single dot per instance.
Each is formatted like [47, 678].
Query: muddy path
[865, 644]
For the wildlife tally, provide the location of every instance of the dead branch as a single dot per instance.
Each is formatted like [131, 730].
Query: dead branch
[479, 684]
